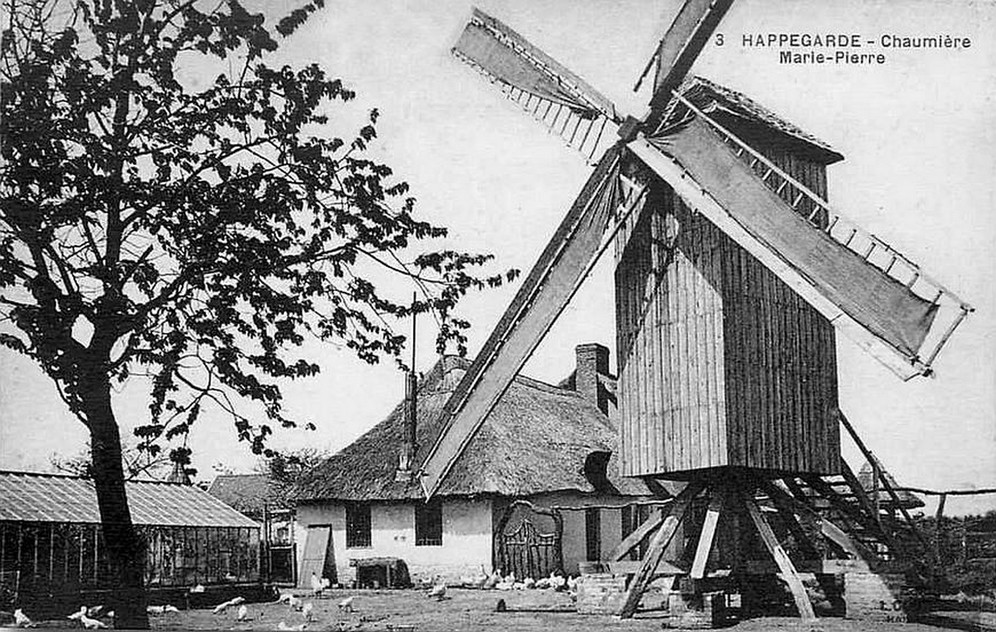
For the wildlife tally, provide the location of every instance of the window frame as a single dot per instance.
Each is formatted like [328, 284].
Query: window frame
[429, 516]
[359, 526]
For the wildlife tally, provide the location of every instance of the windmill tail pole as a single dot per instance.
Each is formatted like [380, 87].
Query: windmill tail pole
[879, 478]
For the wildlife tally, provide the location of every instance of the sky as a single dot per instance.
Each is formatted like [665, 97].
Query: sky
[917, 134]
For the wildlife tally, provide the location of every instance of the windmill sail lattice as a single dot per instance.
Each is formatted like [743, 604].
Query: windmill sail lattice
[869, 291]
[551, 93]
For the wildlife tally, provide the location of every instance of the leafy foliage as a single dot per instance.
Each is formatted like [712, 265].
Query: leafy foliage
[197, 237]
[137, 464]
[287, 467]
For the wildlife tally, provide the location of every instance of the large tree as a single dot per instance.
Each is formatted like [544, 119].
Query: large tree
[195, 237]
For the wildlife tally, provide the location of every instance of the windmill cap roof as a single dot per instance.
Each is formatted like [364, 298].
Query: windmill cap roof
[722, 102]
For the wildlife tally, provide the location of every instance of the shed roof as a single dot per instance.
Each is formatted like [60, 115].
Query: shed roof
[727, 105]
[535, 440]
[35, 497]
[248, 493]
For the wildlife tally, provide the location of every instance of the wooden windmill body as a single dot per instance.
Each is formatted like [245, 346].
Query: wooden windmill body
[733, 276]
[720, 363]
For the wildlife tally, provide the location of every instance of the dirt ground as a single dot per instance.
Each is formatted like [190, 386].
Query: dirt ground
[469, 610]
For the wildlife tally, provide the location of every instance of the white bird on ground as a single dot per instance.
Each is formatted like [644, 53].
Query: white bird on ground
[242, 614]
[438, 591]
[21, 620]
[160, 609]
[306, 610]
[284, 626]
[222, 607]
[199, 588]
[316, 584]
[557, 582]
[346, 605]
[92, 624]
[76, 616]
[492, 580]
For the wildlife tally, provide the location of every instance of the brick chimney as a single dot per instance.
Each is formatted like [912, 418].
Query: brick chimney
[592, 360]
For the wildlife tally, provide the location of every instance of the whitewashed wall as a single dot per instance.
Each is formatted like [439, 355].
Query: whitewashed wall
[466, 547]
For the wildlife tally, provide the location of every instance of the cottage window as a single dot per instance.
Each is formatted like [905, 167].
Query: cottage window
[593, 533]
[429, 523]
[357, 525]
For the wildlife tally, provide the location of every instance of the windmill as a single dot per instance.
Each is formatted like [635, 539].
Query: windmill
[733, 275]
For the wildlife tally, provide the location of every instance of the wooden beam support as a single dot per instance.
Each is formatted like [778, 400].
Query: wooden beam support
[636, 537]
[655, 552]
[785, 510]
[707, 535]
[831, 531]
[781, 559]
[878, 478]
[937, 528]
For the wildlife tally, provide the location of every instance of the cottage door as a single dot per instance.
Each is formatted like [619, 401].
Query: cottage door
[528, 541]
[319, 556]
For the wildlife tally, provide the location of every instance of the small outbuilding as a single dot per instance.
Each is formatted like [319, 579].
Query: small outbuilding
[52, 545]
[263, 499]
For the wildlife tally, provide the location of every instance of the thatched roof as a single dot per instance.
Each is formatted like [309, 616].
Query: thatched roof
[907, 500]
[535, 440]
[730, 107]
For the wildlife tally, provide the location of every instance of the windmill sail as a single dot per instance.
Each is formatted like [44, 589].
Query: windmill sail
[888, 316]
[688, 34]
[555, 96]
[582, 236]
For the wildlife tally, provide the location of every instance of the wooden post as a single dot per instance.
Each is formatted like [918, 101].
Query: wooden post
[707, 535]
[781, 559]
[20, 546]
[655, 552]
[937, 528]
[81, 540]
[96, 555]
[51, 552]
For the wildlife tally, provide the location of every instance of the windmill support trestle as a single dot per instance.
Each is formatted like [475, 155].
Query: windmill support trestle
[738, 542]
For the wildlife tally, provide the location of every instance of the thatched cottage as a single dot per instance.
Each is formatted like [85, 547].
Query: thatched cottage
[548, 445]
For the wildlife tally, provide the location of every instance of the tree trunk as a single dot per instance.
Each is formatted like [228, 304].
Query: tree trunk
[125, 551]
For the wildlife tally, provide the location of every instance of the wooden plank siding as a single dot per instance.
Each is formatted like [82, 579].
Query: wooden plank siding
[720, 363]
